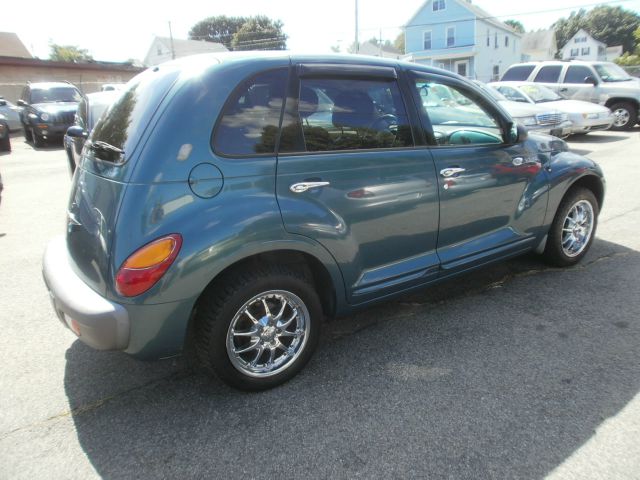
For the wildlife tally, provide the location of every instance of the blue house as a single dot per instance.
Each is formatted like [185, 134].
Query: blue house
[461, 37]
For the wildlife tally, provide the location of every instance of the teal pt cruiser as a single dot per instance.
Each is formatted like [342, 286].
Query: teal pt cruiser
[229, 203]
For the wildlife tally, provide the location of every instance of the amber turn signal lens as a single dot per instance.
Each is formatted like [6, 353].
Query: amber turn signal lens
[151, 254]
[147, 265]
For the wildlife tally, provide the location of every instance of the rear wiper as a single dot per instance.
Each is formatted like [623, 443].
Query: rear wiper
[106, 151]
[106, 147]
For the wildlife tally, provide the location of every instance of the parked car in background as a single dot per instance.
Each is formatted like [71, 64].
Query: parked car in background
[109, 87]
[207, 212]
[5, 135]
[604, 83]
[11, 114]
[48, 110]
[585, 116]
[537, 118]
[90, 109]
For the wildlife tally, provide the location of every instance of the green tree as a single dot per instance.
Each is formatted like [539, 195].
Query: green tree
[611, 25]
[516, 25]
[218, 29]
[398, 43]
[260, 33]
[68, 53]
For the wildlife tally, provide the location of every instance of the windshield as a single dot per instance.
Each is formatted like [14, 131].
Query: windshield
[540, 94]
[55, 94]
[610, 72]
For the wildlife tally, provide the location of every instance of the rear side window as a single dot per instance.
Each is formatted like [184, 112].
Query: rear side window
[350, 114]
[518, 72]
[251, 117]
[577, 74]
[548, 74]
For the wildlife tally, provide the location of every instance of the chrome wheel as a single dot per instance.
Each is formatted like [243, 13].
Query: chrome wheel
[621, 117]
[577, 228]
[268, 333]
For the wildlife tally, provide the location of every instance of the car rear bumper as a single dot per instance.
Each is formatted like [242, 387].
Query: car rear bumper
[96, 321]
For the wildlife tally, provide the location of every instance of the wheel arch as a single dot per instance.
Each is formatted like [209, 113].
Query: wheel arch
[613, 100]
[591, 182]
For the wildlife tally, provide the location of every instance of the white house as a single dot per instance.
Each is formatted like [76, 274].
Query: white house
[539, 46]
[164, 49]
[582, 46]
[461, 37]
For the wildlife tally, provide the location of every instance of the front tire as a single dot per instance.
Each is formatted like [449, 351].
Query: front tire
[625, 116]
[257, 329]
[5, 144]
[38, 142]
[573, 228]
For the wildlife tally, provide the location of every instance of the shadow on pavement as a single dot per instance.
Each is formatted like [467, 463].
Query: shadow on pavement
[502, 373]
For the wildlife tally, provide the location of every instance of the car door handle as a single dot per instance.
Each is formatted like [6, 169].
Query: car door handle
[448, 172]
[304, 186]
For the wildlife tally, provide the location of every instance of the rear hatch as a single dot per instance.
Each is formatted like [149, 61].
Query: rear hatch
[108, 159]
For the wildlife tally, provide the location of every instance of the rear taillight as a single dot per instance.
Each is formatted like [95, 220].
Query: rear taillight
[147, 265]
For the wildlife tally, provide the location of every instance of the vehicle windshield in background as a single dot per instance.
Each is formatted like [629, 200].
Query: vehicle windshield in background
[495, 94]
[540, 94]
[610, 72]
[56, 94]
[127, 117]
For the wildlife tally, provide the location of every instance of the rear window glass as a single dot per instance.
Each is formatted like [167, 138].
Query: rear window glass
[251, 118]
[128, 116]
[548, 74]
[519, 72]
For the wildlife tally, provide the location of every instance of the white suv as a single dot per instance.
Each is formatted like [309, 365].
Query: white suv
[604, 83]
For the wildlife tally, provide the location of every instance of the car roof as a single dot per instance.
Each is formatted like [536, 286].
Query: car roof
[103, 97]
[297, 57]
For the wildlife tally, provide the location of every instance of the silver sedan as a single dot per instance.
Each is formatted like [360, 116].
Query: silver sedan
[585, 116]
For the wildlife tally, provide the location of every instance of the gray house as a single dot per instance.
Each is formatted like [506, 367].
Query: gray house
[164, 49]
[539, 46]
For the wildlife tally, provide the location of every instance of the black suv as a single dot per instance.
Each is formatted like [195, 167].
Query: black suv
[49, 109]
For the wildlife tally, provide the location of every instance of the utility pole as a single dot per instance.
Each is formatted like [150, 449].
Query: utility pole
[173, 51]
[357, 44]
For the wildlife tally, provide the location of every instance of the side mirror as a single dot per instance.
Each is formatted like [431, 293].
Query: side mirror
[517, 133]
[76, 132]
[21, 103]
[591, 79]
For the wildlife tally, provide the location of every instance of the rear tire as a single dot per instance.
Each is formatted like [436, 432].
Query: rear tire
[573, 228]
[5, 144]
[625, 114]
[257, 329]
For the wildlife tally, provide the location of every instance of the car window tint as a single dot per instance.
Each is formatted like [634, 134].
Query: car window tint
[350, 114]
[549, 74]
[251, 118]
[456, 116]
[577, 74]
[519, 72]
[512, 94]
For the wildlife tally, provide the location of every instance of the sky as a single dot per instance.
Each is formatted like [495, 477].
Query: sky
[124, 29]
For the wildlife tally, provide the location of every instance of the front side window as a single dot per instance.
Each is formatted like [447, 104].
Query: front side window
[427, 40]
[350, 114]
[548, 74]
[451, 36]
[577, 74]
[251, 118]
[456, 116]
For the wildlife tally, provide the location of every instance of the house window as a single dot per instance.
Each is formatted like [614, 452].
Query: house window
[426, 42]
[488, 38]
[438, 5]
[585, 50]
[506, 40]
[451, 36]
[159, 51]
[575, 52]
[496, 73]
[495, 40]
[580, 39]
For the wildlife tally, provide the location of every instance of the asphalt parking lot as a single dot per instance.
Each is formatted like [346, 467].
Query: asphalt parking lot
[516, 371]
